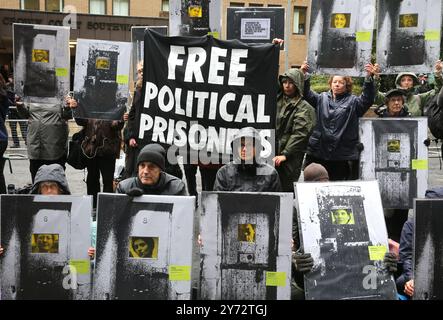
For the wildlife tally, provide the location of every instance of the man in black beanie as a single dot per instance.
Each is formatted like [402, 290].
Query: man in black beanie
[151, 178]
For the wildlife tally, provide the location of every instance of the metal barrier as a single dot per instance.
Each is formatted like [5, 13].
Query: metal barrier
[17, 131]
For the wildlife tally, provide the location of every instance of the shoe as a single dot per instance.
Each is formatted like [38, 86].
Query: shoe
[15, 146]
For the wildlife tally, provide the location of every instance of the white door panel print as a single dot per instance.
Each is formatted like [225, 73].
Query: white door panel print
[245, 247]
[245, 239]
[144, 278]
[138, 240]
[41, 62]
[341, 36]
[392, 147]
[408, 35]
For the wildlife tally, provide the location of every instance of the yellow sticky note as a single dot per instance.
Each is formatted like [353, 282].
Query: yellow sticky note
[215, 34]
[179, 273]
[61, 72]
[275, 279]
[418, 164]
[81, 266]
[363, 36]
[376, 252]
[432, 35]
[122, 79]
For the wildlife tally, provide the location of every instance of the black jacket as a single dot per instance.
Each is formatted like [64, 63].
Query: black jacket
[335, 135]
[167, 185]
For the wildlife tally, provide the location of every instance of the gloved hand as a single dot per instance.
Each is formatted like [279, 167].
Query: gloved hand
[303, 262]
[135, 192]
[390, 262]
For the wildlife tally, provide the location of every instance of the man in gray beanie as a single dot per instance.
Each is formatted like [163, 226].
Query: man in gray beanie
[151, 178]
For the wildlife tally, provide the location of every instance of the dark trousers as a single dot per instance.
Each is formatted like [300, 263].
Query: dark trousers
[104, 165]
[191, 181]
[337, 170]
[394, 223]
[130, 159]
[35, 164]
[3, 146]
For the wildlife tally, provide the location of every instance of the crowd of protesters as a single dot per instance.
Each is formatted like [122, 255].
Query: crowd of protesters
[316, 131]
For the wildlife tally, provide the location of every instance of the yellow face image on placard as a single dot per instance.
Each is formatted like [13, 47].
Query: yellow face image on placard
[246, 232]
[102, 63]
[44, 243]
[342, 216]
[409, 20]
[143, 247]
[340, 20]
[195, 11]
[39, 55]
[393, 145]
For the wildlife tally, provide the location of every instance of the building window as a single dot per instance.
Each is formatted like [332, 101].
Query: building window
[274, 5]
[54, 5]
[30, 4]
[165, 5]
[236, 4]
[299, 20]
[97, 6]
[120, 7]
[256, 4]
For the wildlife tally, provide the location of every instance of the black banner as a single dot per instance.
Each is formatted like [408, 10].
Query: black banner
[199, 91]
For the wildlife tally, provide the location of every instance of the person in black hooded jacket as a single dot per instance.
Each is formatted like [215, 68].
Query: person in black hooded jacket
[151, 178]
[247, 172]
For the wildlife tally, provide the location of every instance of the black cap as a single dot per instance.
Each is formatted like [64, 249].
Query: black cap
[394, 93]
[154, 153]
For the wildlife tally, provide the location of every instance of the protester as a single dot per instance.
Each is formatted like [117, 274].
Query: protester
[101, 147]
[247, 172]
[407, 82]
[50, 180]
[394, 105]
[151, 178]
[295, 122]
[131, 135]
[334, 141]
[47, 135]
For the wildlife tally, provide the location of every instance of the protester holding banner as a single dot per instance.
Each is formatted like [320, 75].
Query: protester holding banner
[132, 128]
[334, 141]
[394, 107]
[47, 133]
[247, 172]
[50, 180]
[295, 122]
[407, 82]
[151, 178]
[101, 147]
